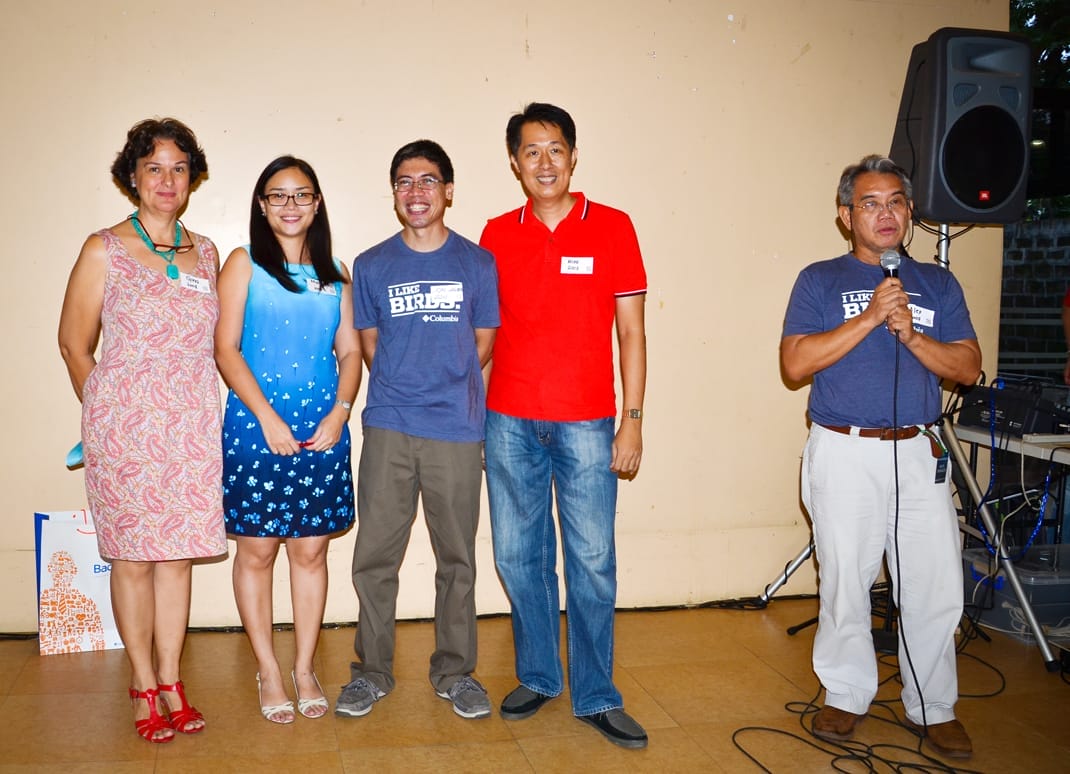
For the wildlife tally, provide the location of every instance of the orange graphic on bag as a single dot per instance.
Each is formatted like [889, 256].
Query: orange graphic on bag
[66, 614]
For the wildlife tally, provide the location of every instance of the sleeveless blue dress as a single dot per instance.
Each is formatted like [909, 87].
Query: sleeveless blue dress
[288, 342]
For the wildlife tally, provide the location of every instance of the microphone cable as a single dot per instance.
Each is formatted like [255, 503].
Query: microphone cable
[895, 532]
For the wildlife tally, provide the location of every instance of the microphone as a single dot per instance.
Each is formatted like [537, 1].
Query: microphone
[890, 263]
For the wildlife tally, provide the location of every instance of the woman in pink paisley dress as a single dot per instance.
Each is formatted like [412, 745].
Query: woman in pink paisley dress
[145, 289]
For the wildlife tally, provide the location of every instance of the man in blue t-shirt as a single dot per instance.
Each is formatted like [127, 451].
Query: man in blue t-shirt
[425, 302]
[876, 342]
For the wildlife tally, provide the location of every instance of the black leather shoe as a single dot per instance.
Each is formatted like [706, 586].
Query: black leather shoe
[618, 727]
[522, 703]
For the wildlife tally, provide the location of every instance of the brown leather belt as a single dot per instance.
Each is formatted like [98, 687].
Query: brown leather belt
[883, 433]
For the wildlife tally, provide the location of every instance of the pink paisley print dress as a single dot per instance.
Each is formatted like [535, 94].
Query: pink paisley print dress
[150, 414]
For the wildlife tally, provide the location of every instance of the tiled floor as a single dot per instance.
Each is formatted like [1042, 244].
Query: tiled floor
[700, 681]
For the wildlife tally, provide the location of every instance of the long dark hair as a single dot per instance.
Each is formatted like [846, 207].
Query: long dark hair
[264, 246]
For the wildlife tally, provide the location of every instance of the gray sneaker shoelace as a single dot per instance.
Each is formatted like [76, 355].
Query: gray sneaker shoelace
[466, 683]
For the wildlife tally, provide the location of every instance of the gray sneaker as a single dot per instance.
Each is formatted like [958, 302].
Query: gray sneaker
[357, 698]
[469, 698]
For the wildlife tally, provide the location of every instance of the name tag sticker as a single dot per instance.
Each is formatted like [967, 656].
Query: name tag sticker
[315, 286]
[197, 284]
[922, 316]
[446, 294]
[577, 265]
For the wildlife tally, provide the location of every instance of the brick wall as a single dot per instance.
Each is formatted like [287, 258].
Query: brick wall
[1036, 276]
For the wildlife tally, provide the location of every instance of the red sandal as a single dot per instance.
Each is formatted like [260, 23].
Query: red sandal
[149, 727]
[184, 715]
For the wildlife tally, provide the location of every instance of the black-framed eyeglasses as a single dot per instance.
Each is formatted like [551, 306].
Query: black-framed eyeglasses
[156, 246]
[177, 248]
[425, 183]
[280, 199]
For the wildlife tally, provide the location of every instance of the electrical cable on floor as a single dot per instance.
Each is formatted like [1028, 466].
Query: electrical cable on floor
[871, 757]
[749, 603]
[880, 756]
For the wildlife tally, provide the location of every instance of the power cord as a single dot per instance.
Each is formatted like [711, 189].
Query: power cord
[857, 756]
[882, 756]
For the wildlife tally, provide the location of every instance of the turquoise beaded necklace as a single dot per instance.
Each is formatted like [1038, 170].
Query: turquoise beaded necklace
[167, 255]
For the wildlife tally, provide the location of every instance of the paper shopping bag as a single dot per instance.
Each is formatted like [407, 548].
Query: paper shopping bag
[73, 594]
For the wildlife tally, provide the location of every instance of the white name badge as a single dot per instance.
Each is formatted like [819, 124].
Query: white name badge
[315, 286]
[197, 284]
[922, 316]
[581, 265]
[446, 294]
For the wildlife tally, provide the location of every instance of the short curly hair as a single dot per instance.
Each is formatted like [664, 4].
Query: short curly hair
[142, 139]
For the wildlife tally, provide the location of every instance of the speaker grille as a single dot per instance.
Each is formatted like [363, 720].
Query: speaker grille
[983, 158]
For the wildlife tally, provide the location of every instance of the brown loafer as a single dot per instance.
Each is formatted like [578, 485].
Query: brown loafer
[948, 738]
[835, 725]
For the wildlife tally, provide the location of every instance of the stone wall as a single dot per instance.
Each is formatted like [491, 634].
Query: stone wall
[1036, 276]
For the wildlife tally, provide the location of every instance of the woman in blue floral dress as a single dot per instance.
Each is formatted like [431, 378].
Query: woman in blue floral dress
[286, 346]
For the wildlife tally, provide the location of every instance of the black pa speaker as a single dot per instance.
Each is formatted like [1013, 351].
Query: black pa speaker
[962, 133]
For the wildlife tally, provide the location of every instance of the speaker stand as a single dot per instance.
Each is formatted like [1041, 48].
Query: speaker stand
[954, 446]
[781, 579]
[885, 639]
[943, 246]
[951, 441]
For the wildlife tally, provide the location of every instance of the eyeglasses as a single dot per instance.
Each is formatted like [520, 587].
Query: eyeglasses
[279, 199]
[156, 246]
[177, 248]
[897, 205]
[425, 183]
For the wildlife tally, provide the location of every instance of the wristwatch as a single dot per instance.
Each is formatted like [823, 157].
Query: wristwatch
[346, 405]
[634, 413]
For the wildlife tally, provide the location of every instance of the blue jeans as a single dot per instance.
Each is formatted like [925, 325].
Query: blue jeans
[527, 460]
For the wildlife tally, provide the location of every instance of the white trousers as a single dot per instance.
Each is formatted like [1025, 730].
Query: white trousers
[849, 489]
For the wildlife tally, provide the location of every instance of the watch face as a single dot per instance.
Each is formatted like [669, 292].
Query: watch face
[635, 413]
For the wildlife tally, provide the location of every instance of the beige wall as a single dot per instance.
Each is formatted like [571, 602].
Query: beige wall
[721, 127]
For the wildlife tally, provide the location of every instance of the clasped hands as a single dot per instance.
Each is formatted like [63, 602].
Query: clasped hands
[280, 439]
[889, 306]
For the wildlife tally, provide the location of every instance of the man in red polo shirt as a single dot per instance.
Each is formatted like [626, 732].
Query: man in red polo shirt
[568, 271]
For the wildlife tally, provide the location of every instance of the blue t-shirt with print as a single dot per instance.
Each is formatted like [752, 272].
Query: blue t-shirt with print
[861, 387]
[425, 377]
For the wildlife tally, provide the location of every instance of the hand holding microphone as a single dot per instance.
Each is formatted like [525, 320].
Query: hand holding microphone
[900, 320]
